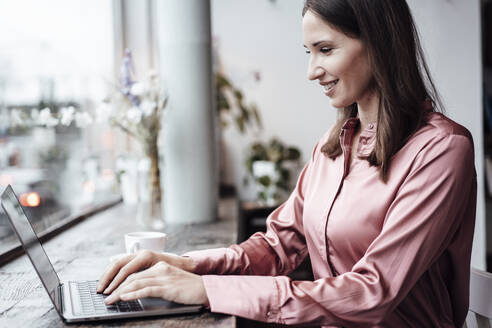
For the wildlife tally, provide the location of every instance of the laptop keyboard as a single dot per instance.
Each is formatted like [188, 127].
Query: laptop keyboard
[93, 303]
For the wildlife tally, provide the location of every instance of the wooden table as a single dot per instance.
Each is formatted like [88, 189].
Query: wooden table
[82, 252]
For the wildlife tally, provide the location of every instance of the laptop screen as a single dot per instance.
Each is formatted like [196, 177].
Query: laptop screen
[29, 240]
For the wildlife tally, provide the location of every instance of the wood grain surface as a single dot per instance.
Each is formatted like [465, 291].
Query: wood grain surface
[82, 253]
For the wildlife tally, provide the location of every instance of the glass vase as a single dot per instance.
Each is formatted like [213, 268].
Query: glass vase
[149, 205]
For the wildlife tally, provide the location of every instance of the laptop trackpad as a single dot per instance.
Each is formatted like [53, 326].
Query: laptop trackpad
[158, 303]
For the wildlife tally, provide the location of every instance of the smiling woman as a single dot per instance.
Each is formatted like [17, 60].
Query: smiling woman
[382, 66]
[384, 208]
[339, 62]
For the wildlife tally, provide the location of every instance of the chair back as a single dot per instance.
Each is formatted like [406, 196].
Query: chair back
[480, 311]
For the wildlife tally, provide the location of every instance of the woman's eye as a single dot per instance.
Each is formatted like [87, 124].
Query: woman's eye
[324, 50]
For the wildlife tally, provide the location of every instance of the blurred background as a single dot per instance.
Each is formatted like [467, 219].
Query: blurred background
[60, 59]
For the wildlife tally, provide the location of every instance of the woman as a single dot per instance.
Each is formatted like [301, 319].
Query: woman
[385, 207]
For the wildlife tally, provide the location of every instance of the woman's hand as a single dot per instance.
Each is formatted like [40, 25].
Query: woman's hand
[164, 281]
[118, 271]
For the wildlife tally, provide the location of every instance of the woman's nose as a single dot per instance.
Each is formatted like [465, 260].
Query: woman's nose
[314, 72]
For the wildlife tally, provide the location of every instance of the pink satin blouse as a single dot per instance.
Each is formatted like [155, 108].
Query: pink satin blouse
[383, 255]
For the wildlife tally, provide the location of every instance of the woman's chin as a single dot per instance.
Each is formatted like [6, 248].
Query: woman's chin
[340, 103]
[337, 104]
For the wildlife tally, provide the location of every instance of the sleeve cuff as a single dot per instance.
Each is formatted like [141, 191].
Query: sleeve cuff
[252, 297]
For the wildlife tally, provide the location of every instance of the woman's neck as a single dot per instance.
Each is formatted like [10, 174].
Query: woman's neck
[367, 109]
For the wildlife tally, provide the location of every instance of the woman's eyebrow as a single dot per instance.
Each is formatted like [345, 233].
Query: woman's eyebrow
[328, 42]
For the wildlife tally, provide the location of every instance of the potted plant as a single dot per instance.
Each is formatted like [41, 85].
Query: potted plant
[231, 105]
[272, 166]
[232, 110]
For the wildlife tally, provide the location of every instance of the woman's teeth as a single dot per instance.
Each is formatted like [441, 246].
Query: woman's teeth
[330, 85]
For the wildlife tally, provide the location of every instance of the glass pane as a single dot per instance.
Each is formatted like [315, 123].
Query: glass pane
[56, 57]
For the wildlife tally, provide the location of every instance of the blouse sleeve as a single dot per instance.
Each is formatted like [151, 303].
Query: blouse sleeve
[277, 252]
[419, 225]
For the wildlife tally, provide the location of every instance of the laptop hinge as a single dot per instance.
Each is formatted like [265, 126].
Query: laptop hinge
[60, 298]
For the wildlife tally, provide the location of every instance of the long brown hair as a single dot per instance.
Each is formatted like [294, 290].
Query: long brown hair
[401, 76]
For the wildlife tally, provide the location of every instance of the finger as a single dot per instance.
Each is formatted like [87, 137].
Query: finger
[142, 283]
[132, 287]
[136, 264]
[158, 270]
[111, 271]
[148, 273]
[149, 291]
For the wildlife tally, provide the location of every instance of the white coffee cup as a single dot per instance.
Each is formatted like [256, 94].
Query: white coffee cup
[151, 240]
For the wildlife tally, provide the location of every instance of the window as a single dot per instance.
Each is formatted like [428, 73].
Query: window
[54, 55]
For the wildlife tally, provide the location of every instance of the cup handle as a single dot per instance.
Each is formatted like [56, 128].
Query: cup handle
[135, 247]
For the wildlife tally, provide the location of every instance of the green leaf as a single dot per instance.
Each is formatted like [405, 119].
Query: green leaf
[264, 180]
[258, 152]
[249, 164]
[292, 153]
[238, 95]
[256, 115]
[234, 106]
[222, 103]
[244, 113]
[164, 102]
[222, 81]
[240, 123]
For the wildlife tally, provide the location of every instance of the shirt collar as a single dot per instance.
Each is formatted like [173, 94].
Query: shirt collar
[367, 138]
[353, 122]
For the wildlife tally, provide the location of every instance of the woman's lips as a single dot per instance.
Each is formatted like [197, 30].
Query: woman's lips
[329, 87]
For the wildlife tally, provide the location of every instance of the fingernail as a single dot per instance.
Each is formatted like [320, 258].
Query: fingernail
[106, 291]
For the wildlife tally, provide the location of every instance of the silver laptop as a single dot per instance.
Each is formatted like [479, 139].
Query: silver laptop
[77, 301]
